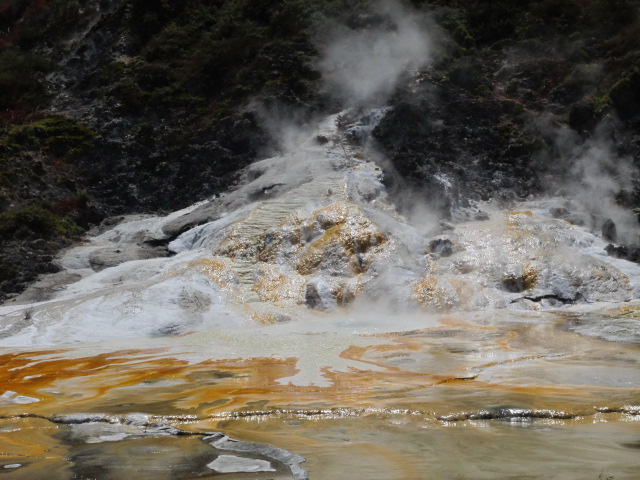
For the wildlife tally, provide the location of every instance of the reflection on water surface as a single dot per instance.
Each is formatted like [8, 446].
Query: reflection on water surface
[485, 399]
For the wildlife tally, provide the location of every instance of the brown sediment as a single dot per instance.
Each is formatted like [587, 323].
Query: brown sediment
[23, 443]
[530, 390]
[272, 286]
[412, 448]
[380, 445]
[408, 379]
[346, 292]
[351, 235]
[345, 449]
[627, 311]
[357, 353]
[429, 293]
[441, 294]
[28, 375]
[530, 276]
[503, 342]
[312, 258]
[397, 462]
[459, 322]
[267, 318]
[107, 380]
[88, 383]
[32, 443]
[526, 213]
[217, 270]
[510, 361]
[160, 382]
[421, 380]
[425, 288]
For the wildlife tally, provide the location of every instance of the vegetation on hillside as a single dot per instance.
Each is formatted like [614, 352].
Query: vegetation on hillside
[158, 93]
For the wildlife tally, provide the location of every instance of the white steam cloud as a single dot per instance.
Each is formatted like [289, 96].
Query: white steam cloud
[287, 128]
[595, 178]
[362, 67]
[600, 176]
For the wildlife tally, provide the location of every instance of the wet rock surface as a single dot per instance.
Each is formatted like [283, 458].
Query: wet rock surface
[23, 261]
[97, 441]
[233, 464]
[627, 252]
[292, 460]
[110, 257]
[442, 246]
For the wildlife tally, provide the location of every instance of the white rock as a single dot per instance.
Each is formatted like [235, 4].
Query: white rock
[12, 397]
[231, 463]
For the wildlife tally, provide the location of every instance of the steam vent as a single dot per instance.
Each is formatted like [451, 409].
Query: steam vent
[366, 239]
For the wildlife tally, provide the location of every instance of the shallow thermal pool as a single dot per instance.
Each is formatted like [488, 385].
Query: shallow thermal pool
[462, 399]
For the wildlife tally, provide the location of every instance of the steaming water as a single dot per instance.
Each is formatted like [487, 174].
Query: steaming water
[302, 311]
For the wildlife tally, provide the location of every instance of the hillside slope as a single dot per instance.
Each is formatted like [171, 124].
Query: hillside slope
[112, 107]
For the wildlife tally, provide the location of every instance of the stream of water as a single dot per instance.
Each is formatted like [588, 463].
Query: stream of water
[301, 315]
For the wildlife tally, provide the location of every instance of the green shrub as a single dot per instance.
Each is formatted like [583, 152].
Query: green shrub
[58, 136]
[34, 221]
[625, 95]
[512, 107]
[459, 31]
[129, 95]
[562, 15]
[611, 15]
[197, 52]
[19, 83]
[7, 271]
[48, 18]
[600, 104]
[26, 222]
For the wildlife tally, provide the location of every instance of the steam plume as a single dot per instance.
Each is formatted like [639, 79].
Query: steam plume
[596, 175]
[362, 67]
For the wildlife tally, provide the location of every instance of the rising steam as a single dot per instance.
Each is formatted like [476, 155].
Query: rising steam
[595, 176]
[362, 67]
[602, 175]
